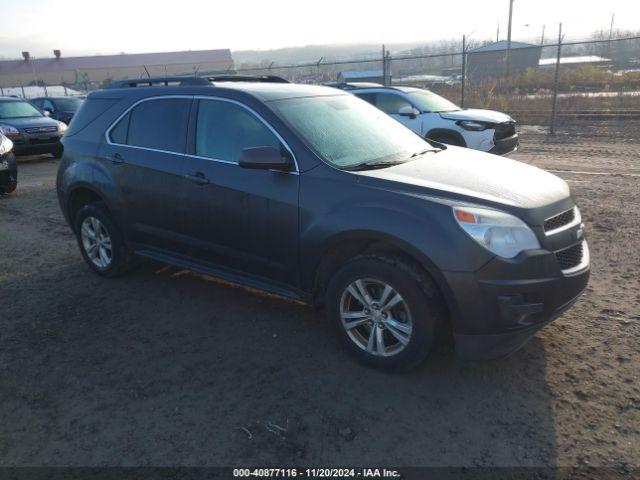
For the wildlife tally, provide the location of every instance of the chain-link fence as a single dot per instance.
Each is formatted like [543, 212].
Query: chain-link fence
[550, 84]
[547, 84]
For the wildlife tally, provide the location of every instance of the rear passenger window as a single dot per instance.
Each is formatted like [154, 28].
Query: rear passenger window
[159, 124]
[225, 129]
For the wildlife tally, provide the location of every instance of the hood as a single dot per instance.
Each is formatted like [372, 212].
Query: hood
[477, 114]
[30, 122]
[477, 175]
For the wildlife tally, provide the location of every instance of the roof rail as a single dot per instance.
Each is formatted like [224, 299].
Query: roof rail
[158, 81]
[180, 81]
[247, 78]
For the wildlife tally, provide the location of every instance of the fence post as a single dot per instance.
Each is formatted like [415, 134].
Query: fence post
[384, 67]
[2, 91]
[22, 88]
[387, 69]
[554, 101]
[464, 69]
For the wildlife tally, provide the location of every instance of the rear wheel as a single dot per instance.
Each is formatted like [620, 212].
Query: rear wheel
[385, 311]
[101, 242]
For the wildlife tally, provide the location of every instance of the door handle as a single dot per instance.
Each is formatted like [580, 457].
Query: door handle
[116, 158]
[198, 178]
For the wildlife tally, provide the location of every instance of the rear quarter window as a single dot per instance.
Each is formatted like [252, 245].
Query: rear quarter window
[91, 109]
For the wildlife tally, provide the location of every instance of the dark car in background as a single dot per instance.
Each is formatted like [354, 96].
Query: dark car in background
[31, 131]
[59, 108]
[311, 193]
[8, 166]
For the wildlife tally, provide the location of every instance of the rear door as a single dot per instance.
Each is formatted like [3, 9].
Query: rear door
[240, 218]
[146, 150]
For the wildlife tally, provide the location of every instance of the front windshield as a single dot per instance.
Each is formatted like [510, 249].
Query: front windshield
[69, 104]
[428, 101]
[348, 132]
[18, 110]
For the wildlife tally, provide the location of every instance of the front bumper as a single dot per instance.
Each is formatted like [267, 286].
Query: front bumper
[498, 308]
[34, 144]
[505, 145]
[8, 170]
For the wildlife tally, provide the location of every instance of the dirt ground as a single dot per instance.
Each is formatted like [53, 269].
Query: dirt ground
[164, 367]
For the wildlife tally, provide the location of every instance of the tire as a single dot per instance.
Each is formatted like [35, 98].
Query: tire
[57, 153]
[414, 318]
[447, 139]
[9, 187]
[118, 255]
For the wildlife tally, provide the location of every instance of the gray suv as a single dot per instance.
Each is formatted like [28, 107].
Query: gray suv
[311, 193]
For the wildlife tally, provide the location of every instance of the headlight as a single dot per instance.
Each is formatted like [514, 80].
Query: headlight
[8, 130]
[472, 125]
[498, 232]
[5, 145]
[62, 127]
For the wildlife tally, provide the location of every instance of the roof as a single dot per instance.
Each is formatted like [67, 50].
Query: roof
[354, 74]
[33, 91]
[194, 57]
[574, 60]
[502, 45]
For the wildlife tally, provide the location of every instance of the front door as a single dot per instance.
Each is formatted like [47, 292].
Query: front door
[240, 218]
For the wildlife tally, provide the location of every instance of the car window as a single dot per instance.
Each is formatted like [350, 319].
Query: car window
[119, 132]
[369, 97]
[37, 103]
[18, 109]
[48, 104]
[224, 129]
[159, 124]
[390, 103]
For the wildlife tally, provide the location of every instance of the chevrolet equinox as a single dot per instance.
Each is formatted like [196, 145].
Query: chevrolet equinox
[310, 193]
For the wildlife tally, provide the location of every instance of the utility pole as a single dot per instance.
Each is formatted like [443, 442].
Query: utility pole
[318, 70]
[498, 33]
[464, 69]
[542, 36]
[552, 123]
[613, 15]
[508, 56]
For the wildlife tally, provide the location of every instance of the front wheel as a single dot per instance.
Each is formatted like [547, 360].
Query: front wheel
[385, 310]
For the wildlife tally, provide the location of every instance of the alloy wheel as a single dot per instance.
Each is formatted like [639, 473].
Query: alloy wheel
[96, 242]
[376, 317]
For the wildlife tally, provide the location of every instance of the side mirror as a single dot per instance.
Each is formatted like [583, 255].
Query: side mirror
[46, 112]
[264, 158]
[407, 111]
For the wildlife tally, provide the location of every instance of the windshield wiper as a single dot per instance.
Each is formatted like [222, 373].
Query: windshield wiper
[424, 152]
[372, 165]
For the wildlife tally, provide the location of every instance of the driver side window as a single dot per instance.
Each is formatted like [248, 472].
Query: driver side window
[224, 129]
[390, 103]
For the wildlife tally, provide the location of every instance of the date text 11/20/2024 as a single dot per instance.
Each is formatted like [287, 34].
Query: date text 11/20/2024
[315, 473]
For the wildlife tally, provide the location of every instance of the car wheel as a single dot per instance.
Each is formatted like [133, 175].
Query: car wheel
[101, 242]
[447, 139]
[10, 186]
[385, 310]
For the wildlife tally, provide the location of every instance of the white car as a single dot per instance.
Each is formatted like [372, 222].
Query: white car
[434, 117]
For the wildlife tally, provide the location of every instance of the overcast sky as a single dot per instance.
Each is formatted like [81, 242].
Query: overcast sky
[80, 27]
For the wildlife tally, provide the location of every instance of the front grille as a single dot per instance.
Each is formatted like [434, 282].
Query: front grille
[560, 220]
[570, 257]
[49, 129]
[504, 130]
